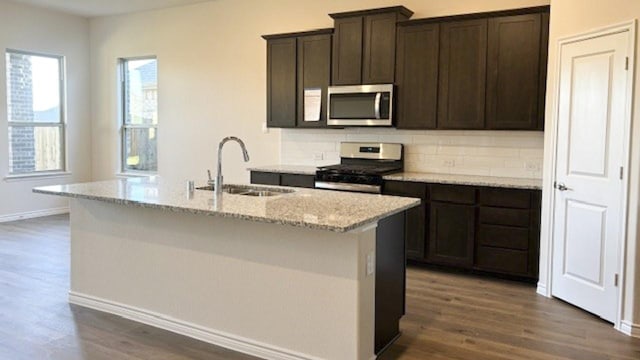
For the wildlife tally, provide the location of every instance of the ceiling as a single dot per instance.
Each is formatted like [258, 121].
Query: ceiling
[93, 8]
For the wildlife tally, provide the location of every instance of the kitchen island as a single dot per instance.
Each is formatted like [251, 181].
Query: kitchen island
[308, 274]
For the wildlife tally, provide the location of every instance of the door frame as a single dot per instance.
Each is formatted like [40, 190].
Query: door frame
[546, 257]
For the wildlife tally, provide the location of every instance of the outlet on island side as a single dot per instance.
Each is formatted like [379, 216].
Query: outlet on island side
[371, 266]
[318, 156]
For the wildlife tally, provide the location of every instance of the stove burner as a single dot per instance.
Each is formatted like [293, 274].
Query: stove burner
[360, 169]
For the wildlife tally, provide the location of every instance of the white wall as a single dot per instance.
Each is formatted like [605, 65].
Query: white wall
[37, 30]
[212, 79]
[572, 17]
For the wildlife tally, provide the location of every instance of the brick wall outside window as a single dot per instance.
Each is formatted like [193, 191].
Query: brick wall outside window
[20, 108]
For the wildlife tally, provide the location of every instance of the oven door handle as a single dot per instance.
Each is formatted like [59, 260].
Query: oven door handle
[376, 105]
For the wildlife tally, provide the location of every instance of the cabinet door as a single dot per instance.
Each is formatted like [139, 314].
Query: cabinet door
[379, 55]
[513, 65]
[281, 82]
[314, 71]
[347, 51]
[265, 178]
[462, 84]
[296, 180]
[417, 76]
[452, 229]
[416, 218]
[542, 84]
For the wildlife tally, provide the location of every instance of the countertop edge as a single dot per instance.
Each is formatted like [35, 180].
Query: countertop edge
[286, 169]
[395, 177]
[265, 220]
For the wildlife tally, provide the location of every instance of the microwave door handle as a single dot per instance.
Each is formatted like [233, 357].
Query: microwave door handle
[376, 105]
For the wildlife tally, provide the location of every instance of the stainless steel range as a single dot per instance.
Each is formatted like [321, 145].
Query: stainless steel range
[361, 168]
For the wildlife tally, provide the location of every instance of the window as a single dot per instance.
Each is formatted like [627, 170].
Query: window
[35, 113]
[139, 114]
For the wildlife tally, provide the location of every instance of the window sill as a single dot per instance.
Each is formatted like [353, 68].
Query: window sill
[36, 176]
[135, 174]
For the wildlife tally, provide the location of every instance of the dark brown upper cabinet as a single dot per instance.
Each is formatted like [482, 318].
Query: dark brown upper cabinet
[465, 72]
[542, 83]
[347, 51]
[364, 45]
[281, 82]
[417, 76]
[314, 71]
[295, 62]
[513, 72]
[473, 71]
[462, 83]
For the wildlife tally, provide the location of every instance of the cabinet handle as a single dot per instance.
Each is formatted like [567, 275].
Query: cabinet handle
[377, 105]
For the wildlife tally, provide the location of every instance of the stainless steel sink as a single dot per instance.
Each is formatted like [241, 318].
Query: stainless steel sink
[249, 190]
[260, 193]
[235, 190]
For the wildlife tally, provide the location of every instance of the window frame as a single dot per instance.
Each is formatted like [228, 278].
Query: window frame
[123, 126]
[61, 124]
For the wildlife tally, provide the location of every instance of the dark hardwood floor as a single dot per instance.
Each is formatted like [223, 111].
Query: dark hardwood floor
[449, 316]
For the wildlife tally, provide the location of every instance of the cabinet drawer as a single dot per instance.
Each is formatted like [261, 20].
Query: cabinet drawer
[458, 194]
[502, 260]
[265, 178]
[518, 199]
[405, 188]
[503, 237]
[305, 181]
[508, 217]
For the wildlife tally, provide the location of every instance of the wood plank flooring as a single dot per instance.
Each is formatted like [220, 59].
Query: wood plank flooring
[449, 316]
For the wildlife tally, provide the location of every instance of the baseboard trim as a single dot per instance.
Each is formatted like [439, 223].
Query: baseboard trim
[542, 290]
[34, 214]
[630, 329]
[222, 339]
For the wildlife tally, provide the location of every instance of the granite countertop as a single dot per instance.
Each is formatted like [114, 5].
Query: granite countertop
[490, 181]
[286, 169]
[307, 208]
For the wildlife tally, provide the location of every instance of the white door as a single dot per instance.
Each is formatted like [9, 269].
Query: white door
[589, 189]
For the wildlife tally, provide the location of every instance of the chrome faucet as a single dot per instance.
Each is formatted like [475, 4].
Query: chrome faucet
[245, 154]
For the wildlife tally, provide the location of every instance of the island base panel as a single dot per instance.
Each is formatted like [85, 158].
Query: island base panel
[268, 290]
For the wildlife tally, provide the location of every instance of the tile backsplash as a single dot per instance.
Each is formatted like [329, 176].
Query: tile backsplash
[491, 153]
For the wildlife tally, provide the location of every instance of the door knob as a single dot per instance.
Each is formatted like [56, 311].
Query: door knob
[561, 186]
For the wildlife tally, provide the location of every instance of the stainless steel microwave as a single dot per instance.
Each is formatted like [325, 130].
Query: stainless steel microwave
[360, 105]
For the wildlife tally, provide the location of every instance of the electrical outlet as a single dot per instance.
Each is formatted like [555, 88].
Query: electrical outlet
[371, 266]
[532, 166]
[449, 163]
[318, 156]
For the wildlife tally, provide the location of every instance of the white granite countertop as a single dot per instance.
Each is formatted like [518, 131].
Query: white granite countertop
[286, 169]
[307, 208]
[490, 181]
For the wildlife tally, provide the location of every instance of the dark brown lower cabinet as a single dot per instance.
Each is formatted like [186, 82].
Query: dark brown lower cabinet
[452, 234]
[481, 229]
[508, 232]
[294, 180]
[265, 178]
[416, 218]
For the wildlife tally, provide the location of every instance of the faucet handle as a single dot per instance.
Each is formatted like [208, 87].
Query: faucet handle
[210, 181]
